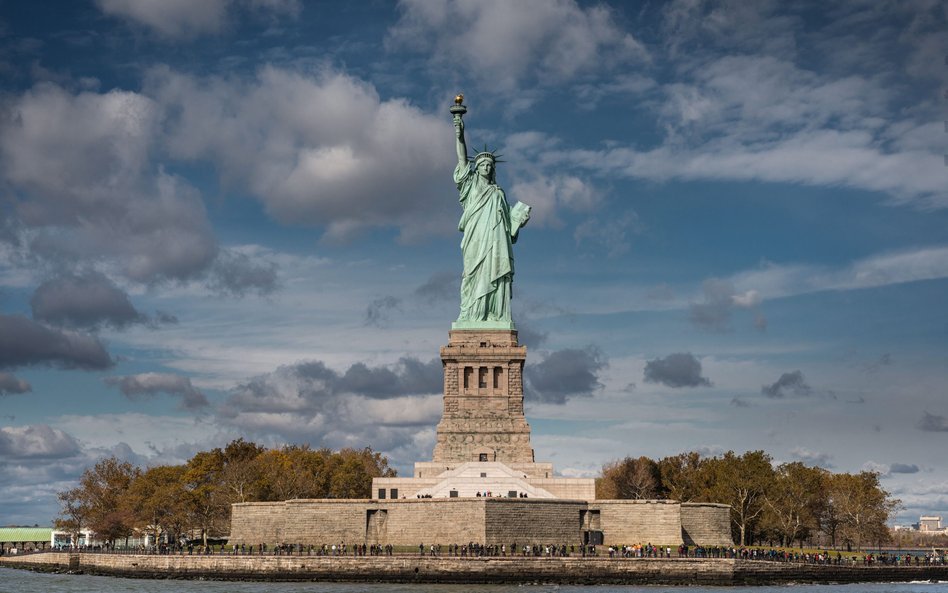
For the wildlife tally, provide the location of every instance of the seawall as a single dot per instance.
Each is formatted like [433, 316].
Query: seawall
[407, 568]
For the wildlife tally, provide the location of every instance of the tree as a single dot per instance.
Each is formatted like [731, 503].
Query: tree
[158, 500]
[352, 472]
[862, 506]
[241, 477]
[74, 514]
[103, 489]
[742, 482]
[629, 478]
[684, 477]
[795, 500]
[202, 483]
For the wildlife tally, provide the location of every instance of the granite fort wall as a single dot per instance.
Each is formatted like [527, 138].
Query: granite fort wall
[638, 521]
[257, 522]
[639, 571]
[484, 520]
[706, 523]
[533, 521]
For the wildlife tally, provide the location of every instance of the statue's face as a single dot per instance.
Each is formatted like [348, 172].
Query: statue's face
[485, 168]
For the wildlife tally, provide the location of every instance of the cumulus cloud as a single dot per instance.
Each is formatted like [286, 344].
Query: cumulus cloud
[563, 374]
[84, 300]
[681, 369]
[10, 385]
[509, 45]
[84, 162]
[151, 384]
[184, 18]
[903, 468]
[933, 423]
[789, 383]
[720, 299]
[548, 195]
[24, 342]
[317, 148]
[37, 441]
[383, 406]
[813, 457]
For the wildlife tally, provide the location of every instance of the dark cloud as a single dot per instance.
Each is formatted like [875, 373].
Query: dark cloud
[738, 402]
[563, 374]
[681, 369]
[933, 423]
[441, 286]
[387, 407]
[529, 337]
[37, 441]
[793, 382]
[151, 384]
[10, 385]
[24, 342]
[903, 468]
[378, 311]
[714, 312]
[236, 274]
[85, 300]
[409, 377]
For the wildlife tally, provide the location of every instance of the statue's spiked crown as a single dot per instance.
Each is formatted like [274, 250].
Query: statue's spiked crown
[487, 154]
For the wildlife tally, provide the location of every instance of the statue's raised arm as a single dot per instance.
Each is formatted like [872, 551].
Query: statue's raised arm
[490, 228]
[459, 110]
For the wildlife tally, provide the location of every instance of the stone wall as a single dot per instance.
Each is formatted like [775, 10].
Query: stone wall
[706, 524]
[481, 520]
[638, 521]
[257, 522]
[415, 569]
[533, 521]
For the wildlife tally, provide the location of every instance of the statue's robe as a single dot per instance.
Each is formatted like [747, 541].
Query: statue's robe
[487, 282]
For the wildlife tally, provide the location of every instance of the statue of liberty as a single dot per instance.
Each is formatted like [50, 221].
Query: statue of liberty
[490, 228]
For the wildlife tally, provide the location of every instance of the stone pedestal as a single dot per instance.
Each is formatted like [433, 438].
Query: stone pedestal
[483, 399]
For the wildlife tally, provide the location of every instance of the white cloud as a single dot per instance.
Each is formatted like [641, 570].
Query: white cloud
[775, 280]
[37, 441]
[509, 45]
[84, 162]
[187, 18]
[320, 149]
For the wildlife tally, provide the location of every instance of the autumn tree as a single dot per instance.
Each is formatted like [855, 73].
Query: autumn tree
[684, 477]
[74, 513]
[795, 501]
[158, 500]
[861, 506]
[741, 481]
[103, 489]
[629, 478]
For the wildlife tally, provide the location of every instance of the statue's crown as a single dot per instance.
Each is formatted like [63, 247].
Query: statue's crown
[487, 154]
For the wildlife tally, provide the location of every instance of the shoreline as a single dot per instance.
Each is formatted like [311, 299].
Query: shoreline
[484, 570]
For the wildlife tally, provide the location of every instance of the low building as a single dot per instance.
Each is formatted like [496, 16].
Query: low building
[17, 540]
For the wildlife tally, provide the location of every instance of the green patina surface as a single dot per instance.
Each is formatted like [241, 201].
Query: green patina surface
[490, 228]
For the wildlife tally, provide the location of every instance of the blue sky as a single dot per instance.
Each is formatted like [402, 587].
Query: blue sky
[236, 218]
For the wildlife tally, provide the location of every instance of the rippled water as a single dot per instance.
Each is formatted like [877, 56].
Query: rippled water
[21, 581]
